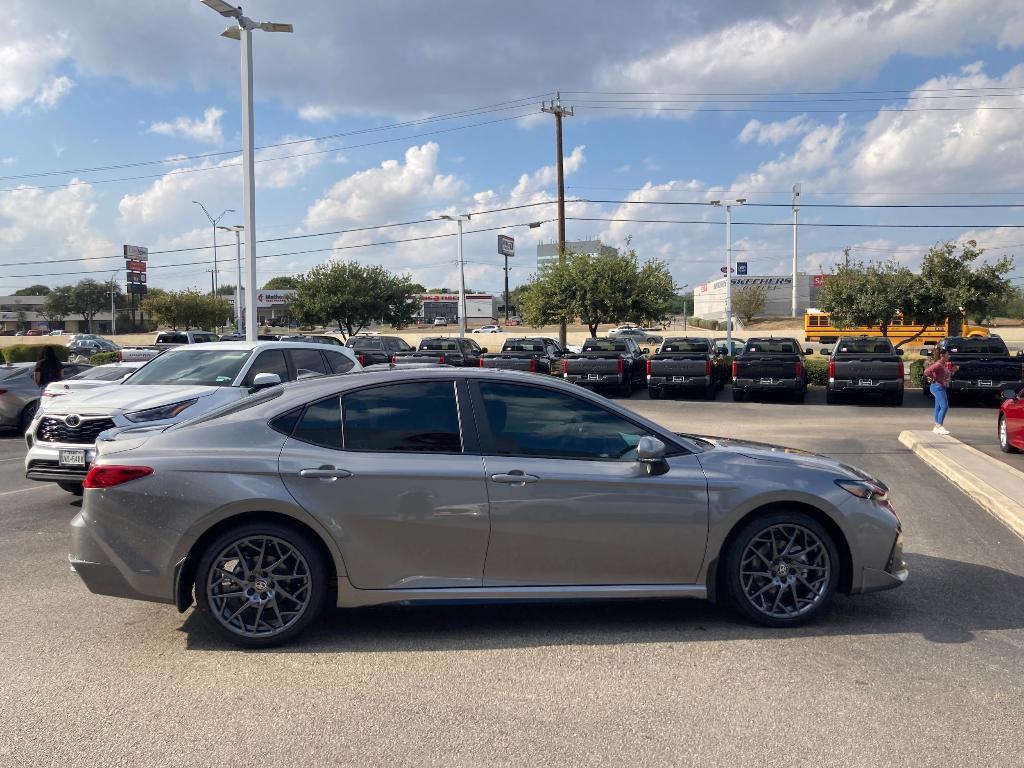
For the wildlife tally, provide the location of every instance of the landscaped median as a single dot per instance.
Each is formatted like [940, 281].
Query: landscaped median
[993, 485]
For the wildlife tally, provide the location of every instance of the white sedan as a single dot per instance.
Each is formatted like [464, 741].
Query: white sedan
[488, 329]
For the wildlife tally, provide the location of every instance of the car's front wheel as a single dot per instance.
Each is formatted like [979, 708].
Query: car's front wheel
[27, 414]
[1004, 436]
[261, 584]
[782, 569]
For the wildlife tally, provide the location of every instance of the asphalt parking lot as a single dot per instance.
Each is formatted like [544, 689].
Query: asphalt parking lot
[930, 674]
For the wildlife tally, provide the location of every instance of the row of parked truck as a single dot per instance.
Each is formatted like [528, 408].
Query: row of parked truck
[857, 366]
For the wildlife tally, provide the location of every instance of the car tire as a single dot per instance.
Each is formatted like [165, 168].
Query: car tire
[654, 393]
[800, 395]
[1004, 437]
[75, 488]
[811, 569]
[626, 388]
[710, 392]
[262, 589]
[832, 398]
[737, 395]
[897, 398]
[27, 414]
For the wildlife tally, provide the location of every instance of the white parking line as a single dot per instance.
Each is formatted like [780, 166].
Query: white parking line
[22, 490]
[16, 458]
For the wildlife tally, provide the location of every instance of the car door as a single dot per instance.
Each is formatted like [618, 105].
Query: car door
[390, 470]
[1015, 420]
[569, 505]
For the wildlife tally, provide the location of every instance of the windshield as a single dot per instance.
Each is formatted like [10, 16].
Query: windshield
[977, 346]
[604, 345]
[103, 373]
[10, 373]
[864, 346]
[199, 367]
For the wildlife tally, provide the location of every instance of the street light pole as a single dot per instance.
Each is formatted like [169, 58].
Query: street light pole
[213, 223]
[728, 264]
[113, 315]
[237, 229]
[683, 287]
[796, 208]
[243, 33]
[461, 217]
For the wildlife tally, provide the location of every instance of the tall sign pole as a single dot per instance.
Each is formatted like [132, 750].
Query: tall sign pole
[796, 208]
[556, 109]
[507, 248]
[248, 185]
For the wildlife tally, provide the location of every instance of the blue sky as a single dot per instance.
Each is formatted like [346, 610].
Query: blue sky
[915, 103]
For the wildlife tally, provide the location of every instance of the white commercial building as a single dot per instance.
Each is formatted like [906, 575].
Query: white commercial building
[547, 253]
[479, 306]
[709, 297]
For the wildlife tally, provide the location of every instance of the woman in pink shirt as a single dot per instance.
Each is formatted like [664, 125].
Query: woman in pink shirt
[939, 373]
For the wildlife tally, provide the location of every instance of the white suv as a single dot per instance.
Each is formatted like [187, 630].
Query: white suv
[179, 384]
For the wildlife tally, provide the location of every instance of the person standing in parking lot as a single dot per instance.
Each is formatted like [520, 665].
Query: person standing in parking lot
[939, 373]
[48, 368]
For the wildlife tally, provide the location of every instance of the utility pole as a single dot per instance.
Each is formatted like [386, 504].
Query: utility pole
[555, 108]
[237, 229]
[506, 289]
[213, 290]
[796, 208]
[460, 218]
[728, 204]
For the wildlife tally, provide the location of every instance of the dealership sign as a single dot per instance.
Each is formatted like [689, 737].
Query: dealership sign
[273, 298]
[425, 297]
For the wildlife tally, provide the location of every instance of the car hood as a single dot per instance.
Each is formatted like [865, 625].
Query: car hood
[134, 397]
[792, 457]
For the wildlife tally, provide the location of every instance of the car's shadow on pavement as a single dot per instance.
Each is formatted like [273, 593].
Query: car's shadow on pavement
[945, 601]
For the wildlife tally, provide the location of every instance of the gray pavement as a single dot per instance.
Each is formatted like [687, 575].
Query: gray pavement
[931, 674]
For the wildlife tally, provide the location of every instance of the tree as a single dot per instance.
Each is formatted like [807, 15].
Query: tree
[870, 294]
[610, 287]
[953, 286]
[88, 298]
[281, 283]
[33, 290]
[748, 302]
[225, 290]
[187, 309]
[58, 304]
[353, 296]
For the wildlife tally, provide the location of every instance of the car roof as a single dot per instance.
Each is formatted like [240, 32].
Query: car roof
[257, 346]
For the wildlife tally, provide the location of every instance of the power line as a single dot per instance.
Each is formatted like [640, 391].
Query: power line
[805, 193]
[811, 100]
[812, 205]
[801, 93]
[584, 105]
[808, 224]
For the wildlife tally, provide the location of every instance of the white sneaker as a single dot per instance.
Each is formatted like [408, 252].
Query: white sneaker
[942, 431]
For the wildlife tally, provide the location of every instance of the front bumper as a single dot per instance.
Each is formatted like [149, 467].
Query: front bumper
[43, 463]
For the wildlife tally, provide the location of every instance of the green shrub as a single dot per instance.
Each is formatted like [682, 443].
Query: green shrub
[102, 358]
[917, 374]
[817, 370]
[29, 353]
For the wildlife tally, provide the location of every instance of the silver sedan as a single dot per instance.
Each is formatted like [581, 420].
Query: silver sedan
[462, 484]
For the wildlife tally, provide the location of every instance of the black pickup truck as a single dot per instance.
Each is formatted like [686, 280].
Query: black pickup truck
[373, 350]
[536, 354]
[986, 366]
[462, 353]
[684, 364]
[861, 365]
[608, 363]
[770, 365]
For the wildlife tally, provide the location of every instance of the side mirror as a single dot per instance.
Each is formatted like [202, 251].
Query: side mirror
[808, 351]
[826, 351]
[646, 351]
[899, 352]
[1008, 394]
[650, 451]
[263, 381]
[483, 349]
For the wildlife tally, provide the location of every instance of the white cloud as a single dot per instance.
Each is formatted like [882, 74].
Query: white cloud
[206, 130]
[8, 161]
[53, 91]
[316, 113]
[27, 63]
[776, 132]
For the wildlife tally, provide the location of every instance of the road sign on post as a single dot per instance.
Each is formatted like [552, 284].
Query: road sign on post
[506, 245]
[137, 252]
[741, 267]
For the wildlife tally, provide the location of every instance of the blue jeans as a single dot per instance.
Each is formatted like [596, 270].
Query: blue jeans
[941, 402]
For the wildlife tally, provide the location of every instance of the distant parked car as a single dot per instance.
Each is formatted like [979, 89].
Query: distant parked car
[488, 329]
[864, 365]
[770, 365]
[440, 321]
[372, 350]
[19, 393]
[639, 335]
[58, 333]
[89, 347]
[1011, 421]
[35, 332]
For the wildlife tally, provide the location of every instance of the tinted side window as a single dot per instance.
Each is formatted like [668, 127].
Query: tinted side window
[530, 421]
[269, 361]
[308, 363]
[339, 362]
[419, 417]
[321, 424]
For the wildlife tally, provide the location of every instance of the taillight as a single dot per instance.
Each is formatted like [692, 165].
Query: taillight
[831, 369]
[3, 391]
[735, 369]
[902, 370]
[533, 364]
[441, 360]
[709, 369]
[648, 367]
[480, 360]
[107, 476]
[622, 365]
[799, 369]
[120, 357]
[394, 358]
[361, 359]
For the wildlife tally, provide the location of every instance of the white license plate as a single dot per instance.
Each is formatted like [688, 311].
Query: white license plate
[74, 457]
[593, 376]
[767, 381]
[678, 378]
[866, 383]
[984, 383]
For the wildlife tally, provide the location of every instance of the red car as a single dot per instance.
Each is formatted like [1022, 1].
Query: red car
[1011, 423]
[34, 332]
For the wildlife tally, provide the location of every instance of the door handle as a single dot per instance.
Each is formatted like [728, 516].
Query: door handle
[515, 477]
[326, 473]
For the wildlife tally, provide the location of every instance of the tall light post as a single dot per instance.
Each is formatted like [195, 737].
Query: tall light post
[237, 229]
[683, 287]
[213, 223]
[796, 208]
[728, 264]
[113, 315]
[461, 217]
[243, 33]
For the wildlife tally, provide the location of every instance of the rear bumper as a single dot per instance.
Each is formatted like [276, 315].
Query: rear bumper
[994, 387]
[680, 382]
[764, 385]
[596, 379]
[846, 385]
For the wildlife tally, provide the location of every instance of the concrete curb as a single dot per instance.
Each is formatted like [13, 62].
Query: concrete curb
[996, 487]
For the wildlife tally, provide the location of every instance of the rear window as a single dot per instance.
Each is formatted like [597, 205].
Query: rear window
[864, 346]
[439, 345]
[172, 338]
[523, 345]
[10, 373]
[364, 343]
[604, 345]
[685, 346]
[977, 346]
[771, 346]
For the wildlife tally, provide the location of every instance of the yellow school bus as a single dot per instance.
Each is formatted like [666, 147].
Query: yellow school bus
[818, 327]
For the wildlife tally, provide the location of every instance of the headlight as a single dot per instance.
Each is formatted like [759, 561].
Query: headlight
[160, 412]
[864, 489]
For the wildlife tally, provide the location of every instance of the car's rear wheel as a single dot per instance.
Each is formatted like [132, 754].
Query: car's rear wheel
[1004, 436]
[261, 584]
[654, 392]
[782, 569]
[27, 414]
[831, 397]
[897, 398]
[710, 392]
[737, 395]
[75, 488]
